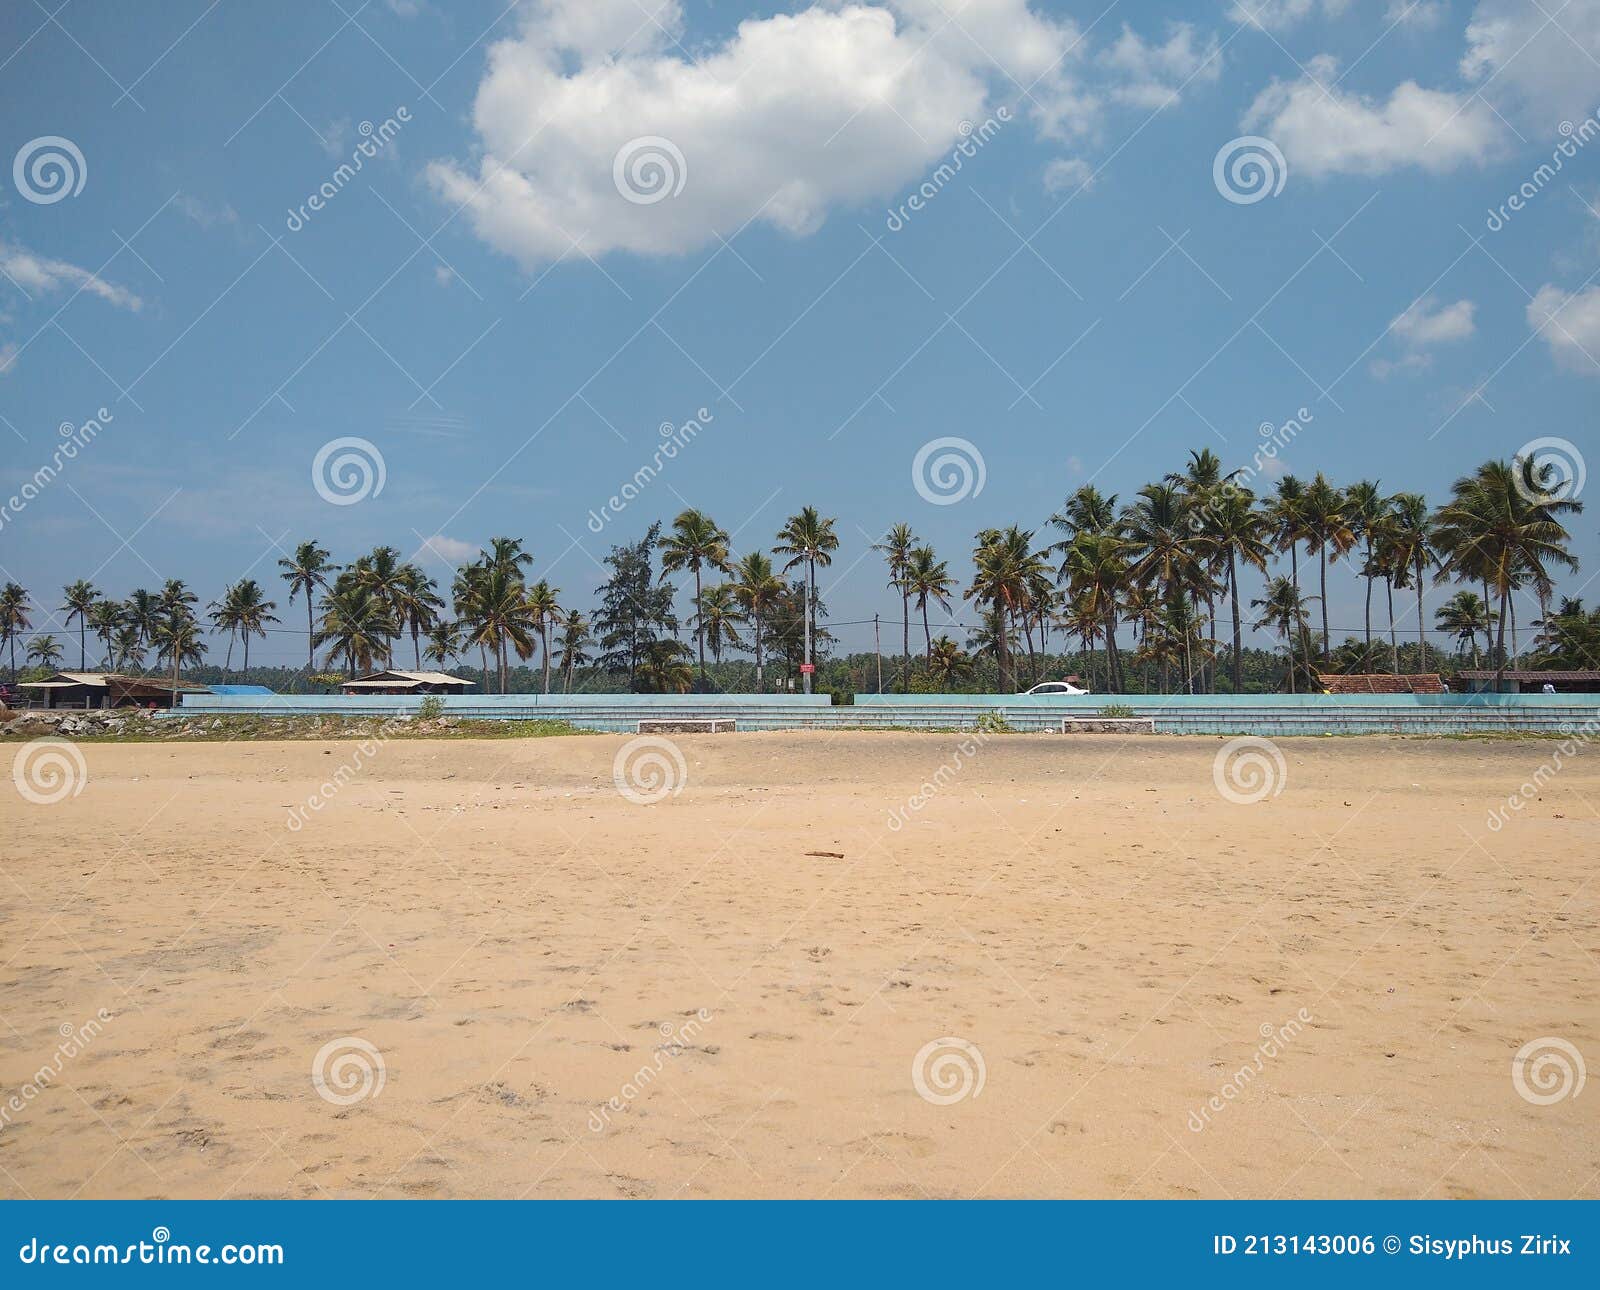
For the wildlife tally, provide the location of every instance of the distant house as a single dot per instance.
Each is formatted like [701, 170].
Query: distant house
[394, 681]
[1381, 683]
[1527, 681]
[105, 690]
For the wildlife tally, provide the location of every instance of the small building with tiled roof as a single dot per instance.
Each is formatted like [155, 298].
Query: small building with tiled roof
[395, 681]
[1381, 683]
[1521, 680]
[105, 690]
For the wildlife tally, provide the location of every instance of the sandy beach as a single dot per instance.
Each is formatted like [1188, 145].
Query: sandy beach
[478, 969]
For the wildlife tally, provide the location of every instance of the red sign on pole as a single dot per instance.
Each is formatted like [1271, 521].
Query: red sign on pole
[807, 668]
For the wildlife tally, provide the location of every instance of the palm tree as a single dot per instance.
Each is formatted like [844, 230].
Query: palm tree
[1240, 534]
[356, 625]
[1411, 546]
[1365, 506]
[444, 644]
[542, 606]
[105, 618]
[306, 571]
[1002, 563]
[45, 651]
[1326, 530]
[416, 604]
[1463, 616]
[1284, 609]
[807, 539]
[129, 649]
[1097, 574]
[144, 614]
[664, 668]
[253, 611]
[758, 590]
[896, 547]
[382, 573]
[1287, 522]
[178, 636]
[947, 662]
[14, 619]
[1500, 528]
[224, 615]
[574, 637]
[80, 598]
[717, 615]
[925, 576]
[695, 542]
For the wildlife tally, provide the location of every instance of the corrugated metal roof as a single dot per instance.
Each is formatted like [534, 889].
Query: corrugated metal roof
[1527, 674]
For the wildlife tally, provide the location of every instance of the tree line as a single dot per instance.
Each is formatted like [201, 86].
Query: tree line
[1155, 584]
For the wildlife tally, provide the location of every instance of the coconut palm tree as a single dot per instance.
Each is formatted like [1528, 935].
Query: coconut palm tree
[1284, 609]
[144, 613]
[45, 651]
[14, 619]
[224, 615]
[1364, 507]
[1098, 575]
[948, 663]
[179, 638]
[1411, 546]
[253, 611]
[1287, 522]
[718, 615]
[356, 625]
[807, 539]
[79, 599]
[1001, 566]
[416, 605]
[896, 546]
[105, 618]
[1241, 535]
[1501, 527]
[444, 644]
[695, 542]
[1463, 616]
[665, 668]
[307, 571]
[574, 637]
[129, 649]
[928, 577]
[1327, 534]
[759, 591]
[544, 610]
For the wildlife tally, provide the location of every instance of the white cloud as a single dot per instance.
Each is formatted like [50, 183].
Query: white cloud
[1536, 60]
[1384, 368]
[38, 275]
[1325, 131]
[1063, 173]
[1427, 323]
[1280, 15]
[450, 550]
[1419, 15]
[8, 357]
[1570, 325]
[843, 102]
[206, 214]
[1154, 73]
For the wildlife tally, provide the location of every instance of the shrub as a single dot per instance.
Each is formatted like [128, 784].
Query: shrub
[1116, 710]
[431, 708]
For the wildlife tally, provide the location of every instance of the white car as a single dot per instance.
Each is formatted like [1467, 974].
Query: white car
[1055, 687]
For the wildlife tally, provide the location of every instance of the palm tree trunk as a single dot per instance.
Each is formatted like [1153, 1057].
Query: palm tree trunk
[1323, 552]
[927, 632]
[1238, 631]
[1500, 644]
[1422, 638]
[1366, 660]
[1113, 658]
[247, 656]
[544, 639]
[757, 617]
[311, 636]
[699, 627]
[227, 662]
[811, 573]
[1394, 643]
[416, 642]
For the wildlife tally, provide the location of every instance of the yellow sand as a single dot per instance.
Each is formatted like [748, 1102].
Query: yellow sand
[517, 941]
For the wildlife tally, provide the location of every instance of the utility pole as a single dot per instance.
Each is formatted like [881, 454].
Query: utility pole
[879, 652]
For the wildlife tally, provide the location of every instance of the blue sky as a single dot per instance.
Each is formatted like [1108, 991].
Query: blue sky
[507, 312]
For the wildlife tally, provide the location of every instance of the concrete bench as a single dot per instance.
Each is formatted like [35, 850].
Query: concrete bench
[686, 726]
[1108, 725]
